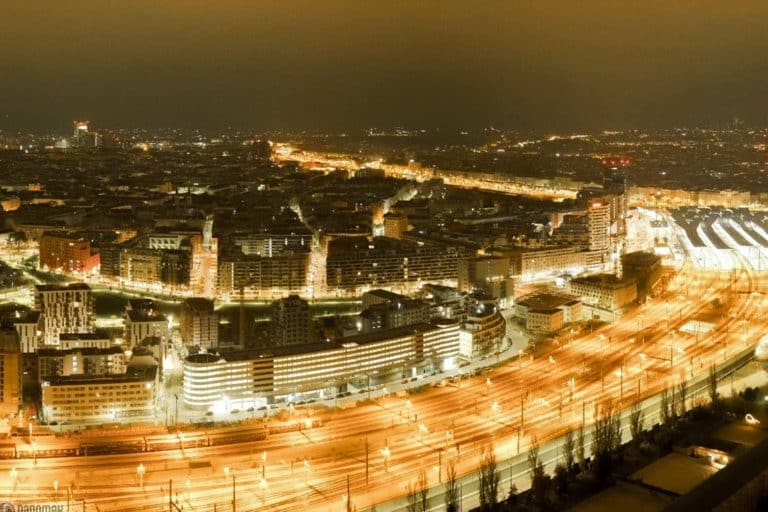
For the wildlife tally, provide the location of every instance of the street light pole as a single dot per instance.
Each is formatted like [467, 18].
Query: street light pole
[264, 465]
[140, 470]
[440, 465]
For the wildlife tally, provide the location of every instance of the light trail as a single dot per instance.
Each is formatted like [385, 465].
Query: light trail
[534, 397]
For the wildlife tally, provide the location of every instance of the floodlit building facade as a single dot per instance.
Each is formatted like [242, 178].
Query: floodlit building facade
[246, 378]
[64, 309]
[10, 372]
[130, 397]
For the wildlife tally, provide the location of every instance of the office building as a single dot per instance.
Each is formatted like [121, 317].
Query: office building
[269, 245]
[489, 275]
[68, 253]
[396, 313]
[199, 323]
[605, 291]
[157, 260]
[28, 325]
[547, 313]
[599, 225]
[291, 322]
[395, 225]
[249, 379]
[483, 328]
[253, 276]
[130, 397]
[98, 339]
[531, 264]
[64, 309]
[89, 362]
[141, 323]
[380, 296]
[10, 372]
[357, 263]
[109, 260]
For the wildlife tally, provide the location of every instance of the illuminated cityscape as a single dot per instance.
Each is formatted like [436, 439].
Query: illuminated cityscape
[232, 281]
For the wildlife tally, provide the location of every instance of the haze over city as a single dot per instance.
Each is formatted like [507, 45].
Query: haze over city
[340, 65]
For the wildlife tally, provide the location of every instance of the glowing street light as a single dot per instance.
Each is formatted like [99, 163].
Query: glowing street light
[387, 454]
[14, 476]
[140, 470]
[226, 472]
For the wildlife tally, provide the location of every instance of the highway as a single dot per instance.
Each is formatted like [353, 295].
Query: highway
[376, 450]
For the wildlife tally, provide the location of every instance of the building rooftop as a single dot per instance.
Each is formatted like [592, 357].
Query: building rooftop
[66, 287]
[546, 301]
[86, 351]
[147, 374]
[360, 339]
[135, 315]
[98, 335]
[611, 280]
[725, 483]
[385, 294]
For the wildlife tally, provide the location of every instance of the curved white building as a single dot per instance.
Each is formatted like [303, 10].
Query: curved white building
[761, 350]
[251, 378]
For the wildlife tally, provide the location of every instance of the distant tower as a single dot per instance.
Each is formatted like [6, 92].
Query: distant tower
[615, 188]
[598, 224]
[208, 233]
[80, 134]
[80, 129]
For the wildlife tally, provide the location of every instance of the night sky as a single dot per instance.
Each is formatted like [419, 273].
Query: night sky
[327, 64]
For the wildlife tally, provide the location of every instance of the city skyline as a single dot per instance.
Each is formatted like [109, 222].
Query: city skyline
[393, 256]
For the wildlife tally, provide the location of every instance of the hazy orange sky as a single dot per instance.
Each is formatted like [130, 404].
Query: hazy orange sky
[349, 64]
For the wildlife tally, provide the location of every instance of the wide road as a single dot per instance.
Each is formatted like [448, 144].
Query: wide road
[491, 182]
[374, 451]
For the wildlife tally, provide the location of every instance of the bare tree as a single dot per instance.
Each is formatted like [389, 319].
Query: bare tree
[580, 450]
[489, 479]
[539, 479]
[636, 420]
[682, 394]
[412, 494]
[606, 437]
[673, 404]
[569, 449]
[422, 483]
[664, 408]
[416, 493]
[712, 385]
[451, 488]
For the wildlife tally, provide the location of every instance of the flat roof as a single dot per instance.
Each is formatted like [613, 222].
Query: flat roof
[725, 483]
[58, 287]
[544, 301]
